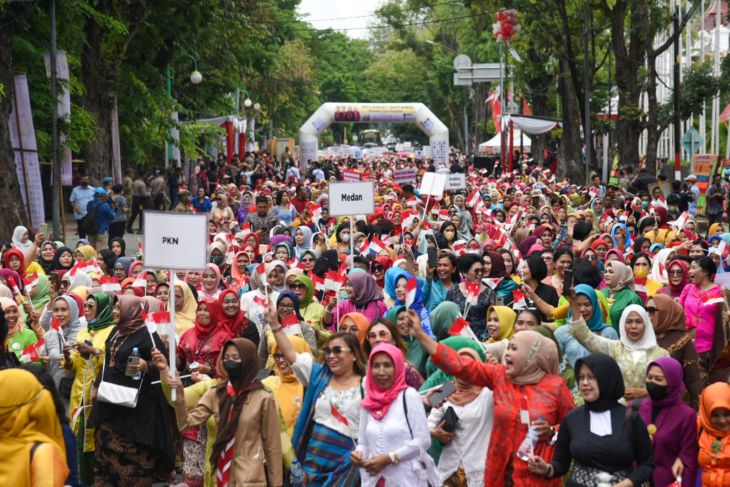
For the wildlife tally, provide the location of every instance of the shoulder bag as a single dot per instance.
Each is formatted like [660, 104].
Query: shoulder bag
[117, 394]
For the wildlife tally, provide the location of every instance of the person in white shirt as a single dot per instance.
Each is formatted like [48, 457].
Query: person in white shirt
[465, 446]
[695, 190]
[394, 436]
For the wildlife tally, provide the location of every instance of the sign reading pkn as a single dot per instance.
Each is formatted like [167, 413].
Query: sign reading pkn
[175, 240]
[170, 240]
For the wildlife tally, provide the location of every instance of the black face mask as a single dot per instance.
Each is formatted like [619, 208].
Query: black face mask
[656, 391]
[233, 369]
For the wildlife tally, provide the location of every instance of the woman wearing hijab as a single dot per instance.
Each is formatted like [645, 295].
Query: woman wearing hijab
[465, 448]
[672, 425]
[303, 240]
[394, 435]
[247, 446]
[415, 354]
[379, 267]
[21, 239]
[232, 317]
[311, 310]
[287, 390]
[46, 254]
[498, 270]
[365, 298]
[528, 381]
[635, 348]
[40, 294]
[202, 343]
[590, 312]
[118, 246]
[31, 439]
[63, 259]
[396, 282]
[18, 336]
[253, 303]
[86, 361]
[605, 443]
[667, 318]
[355, 324]
[619, 290]
[678, 277]
[57, 341]
[643, 284]
[134, 446]
[85, 252]
[713, 427]
[185, 307]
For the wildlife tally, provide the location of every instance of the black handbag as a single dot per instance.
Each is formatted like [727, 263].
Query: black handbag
[450, 419]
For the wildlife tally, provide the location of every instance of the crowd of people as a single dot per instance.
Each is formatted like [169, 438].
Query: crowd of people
[521, 331]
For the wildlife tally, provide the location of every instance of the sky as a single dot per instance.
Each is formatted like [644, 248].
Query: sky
[314, 10]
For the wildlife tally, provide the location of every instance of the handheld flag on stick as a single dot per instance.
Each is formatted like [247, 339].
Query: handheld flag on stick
[411, 290]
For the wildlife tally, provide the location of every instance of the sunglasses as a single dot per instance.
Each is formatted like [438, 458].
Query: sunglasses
[297, 285]
[336, 350]
[651, 310]
[382, 334]
[378, 268]
[678, 273]
[307, 260]
[478, 270]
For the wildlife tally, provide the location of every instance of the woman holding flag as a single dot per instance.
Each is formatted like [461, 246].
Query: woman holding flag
[471, 295]
[65, 327]
[85, 360]
[328, 425]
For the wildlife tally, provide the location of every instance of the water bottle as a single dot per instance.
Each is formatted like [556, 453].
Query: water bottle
[527, 447]
[133, 360]
[296, 476]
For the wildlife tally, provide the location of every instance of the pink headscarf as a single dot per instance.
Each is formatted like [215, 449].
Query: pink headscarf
[377, 400]
[213, 293]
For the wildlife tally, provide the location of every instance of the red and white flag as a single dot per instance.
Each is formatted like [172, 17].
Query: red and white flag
[140, 281]
[458, 327]
[460, 247]
[338, 415]
[318, 282]
[472, 292]
[492, 282]
[55, 324]
[411, 291]
[32, 353]
[158, 322]
[333, 281]
[110, 284]
[291, 325]
[365, 246]
[30, 280]
[261, 271]
[408, 219]
[376, 245]
[713, 296]
[519, 299]
[315, 210]
[474, 198]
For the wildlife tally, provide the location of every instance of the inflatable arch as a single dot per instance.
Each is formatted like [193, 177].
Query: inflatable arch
[417, 113]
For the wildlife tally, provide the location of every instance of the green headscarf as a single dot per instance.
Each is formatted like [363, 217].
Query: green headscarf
[310, 290]
[443, 317]
[42, 293]
[438, 376]
[104, 315]
[415, 355]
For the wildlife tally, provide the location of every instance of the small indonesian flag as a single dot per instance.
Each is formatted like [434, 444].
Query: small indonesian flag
[365, 246]
[30, 280]
[110, 284]
[261, 271]
[260, 301]
[411, 291]
[472, 292]
[141, 281]
[519, 299]
[459, 325]
[411, 202]
[492, 282]
[713, 296]
[158, 322]
[14, 286]
[460, 247]
[338, 415]
[318, 282]
[444, 214]
[246, 227]
[55, 324]
[333, 281]
[474, 198]
[408, 219]
[291, 325]
[32, 353]
[140, 248]
[315, 210]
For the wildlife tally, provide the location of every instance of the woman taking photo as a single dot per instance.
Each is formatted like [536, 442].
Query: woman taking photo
[86, 361]
[619, 290]
[133, 445]
[714, 435]
[562, 261]
[247, 445]
[328, 425]
[394, 437]
[672, 425]
[667, 318]
[528, 382]
[446, 276]
[606, 444]
[702, 301]
[471, 268]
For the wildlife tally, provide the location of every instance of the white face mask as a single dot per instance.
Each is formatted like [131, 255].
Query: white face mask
[345, 237]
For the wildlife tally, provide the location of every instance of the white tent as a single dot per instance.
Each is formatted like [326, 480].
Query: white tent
[494, 145]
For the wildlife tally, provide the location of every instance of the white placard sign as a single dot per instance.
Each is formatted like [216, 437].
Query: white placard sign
[433, 184]
[405, 175]
[456, 181]
[175, 240]
[346, 199]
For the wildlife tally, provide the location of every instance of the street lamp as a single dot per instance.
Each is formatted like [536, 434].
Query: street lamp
[257, 106]
[247, 103]
[196, 77]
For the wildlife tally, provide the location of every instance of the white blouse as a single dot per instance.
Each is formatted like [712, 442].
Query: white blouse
[391, 435]
[468, 447]
[347, 403]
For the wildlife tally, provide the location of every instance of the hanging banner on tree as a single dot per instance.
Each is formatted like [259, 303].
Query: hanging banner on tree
[25, 148]
[64, 110]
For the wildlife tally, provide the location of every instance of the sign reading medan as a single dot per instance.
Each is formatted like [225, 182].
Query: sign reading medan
[346, 199]
[175, 240]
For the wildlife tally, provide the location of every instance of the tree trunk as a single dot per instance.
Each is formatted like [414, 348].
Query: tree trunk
[569, 155]
[13, 213]
[652, 123]
[98, 85]
[539, 142]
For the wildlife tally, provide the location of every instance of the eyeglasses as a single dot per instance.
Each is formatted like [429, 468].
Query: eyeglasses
[677, 273]
[307, 260]
[297, 285]
[651, 310]
[478, 270]
[285, 306]
[336, 350]
[382, 334]
[88, 306]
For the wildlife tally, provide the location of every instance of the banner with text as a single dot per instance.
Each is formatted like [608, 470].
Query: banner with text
[357, 198]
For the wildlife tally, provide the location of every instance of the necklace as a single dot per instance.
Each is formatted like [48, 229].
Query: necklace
[114, 349]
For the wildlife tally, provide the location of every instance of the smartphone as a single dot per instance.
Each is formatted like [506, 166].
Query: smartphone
[447, 388]
[43, 228]
[567, 281]
[432, 257]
